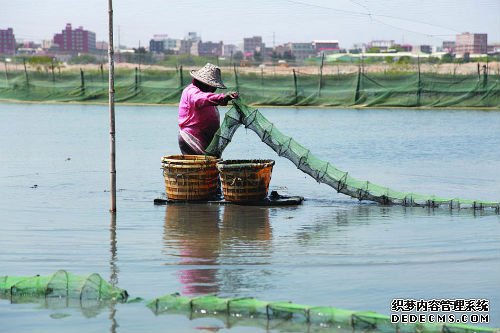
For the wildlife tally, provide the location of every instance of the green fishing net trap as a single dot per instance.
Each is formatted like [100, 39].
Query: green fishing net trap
[61, 284]
[323, 171]
[243, 309]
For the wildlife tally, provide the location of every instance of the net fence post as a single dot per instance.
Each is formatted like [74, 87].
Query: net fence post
[485, 75]
[6, 73]
[236, 78]
[358, 84]
[136, 79]
[181, 77]
[419, 82]
[82, 80]
[26, 72]
[320, 84]
[295, 86]
[52, 69]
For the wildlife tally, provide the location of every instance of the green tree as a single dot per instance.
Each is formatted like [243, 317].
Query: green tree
[447, 58]
[404, 60]
[83, 59]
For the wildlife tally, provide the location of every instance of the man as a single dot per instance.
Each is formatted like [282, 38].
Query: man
[199, 117]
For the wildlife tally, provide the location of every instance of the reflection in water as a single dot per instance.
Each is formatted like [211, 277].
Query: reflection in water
[193, 229]
[203, 240]
[113, 278]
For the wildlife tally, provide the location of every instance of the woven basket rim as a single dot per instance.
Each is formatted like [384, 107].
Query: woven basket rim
[245, 164]
[189, 159]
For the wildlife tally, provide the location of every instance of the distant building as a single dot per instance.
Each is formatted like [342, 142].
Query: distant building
[47, 44]
[471, 43]
[162, 43]
[301, 51]
[75, 41]
[422, 49]
[251, 45]
[382, 44]
[326, 46]
[406, 47]
[102, 45]
[494, 48]
[193, 37]
[228, 50]
[449, 46]
[185, 46]
[7, 41]
[210, 49]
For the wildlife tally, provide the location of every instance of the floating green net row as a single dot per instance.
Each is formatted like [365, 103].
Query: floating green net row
[322, 171]
[324, 316]
[61, 284]
[66, 286]
[391, 89]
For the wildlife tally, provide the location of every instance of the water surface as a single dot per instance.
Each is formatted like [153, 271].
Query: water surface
[332, 250]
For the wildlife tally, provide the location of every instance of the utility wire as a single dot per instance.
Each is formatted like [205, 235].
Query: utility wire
[371, 16]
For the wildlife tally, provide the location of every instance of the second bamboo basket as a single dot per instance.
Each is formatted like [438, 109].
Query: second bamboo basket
[245, 180]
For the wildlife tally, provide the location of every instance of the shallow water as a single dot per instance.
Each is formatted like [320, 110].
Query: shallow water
[331, 250]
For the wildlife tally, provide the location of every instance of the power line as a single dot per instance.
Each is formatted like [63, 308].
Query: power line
[372, 15]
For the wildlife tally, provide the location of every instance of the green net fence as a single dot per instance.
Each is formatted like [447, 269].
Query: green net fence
[318, 316]
[322, 171]
[61, 284]
[153, 86]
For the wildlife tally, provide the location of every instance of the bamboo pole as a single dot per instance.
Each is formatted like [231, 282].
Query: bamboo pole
[112, 108]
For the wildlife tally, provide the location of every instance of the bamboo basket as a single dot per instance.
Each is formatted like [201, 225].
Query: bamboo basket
[190, 177]
[245, 180]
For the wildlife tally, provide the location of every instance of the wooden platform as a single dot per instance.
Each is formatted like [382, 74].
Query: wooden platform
[272, 200]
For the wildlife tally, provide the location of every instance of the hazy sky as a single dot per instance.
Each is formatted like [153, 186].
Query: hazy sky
[349, 21]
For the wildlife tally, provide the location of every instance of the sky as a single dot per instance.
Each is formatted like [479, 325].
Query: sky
[277, 21]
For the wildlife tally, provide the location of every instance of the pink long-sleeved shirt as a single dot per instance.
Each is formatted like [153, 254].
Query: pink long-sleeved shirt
[198, 113]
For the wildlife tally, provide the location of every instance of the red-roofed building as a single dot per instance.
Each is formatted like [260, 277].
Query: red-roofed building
[326, 46]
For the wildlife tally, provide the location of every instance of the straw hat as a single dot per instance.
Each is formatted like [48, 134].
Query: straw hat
[209, 74]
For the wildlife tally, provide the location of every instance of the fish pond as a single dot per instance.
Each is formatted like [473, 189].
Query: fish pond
[330, 251]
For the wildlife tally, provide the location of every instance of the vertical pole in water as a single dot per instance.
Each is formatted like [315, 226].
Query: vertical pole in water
[320, 85]
[112, 108]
